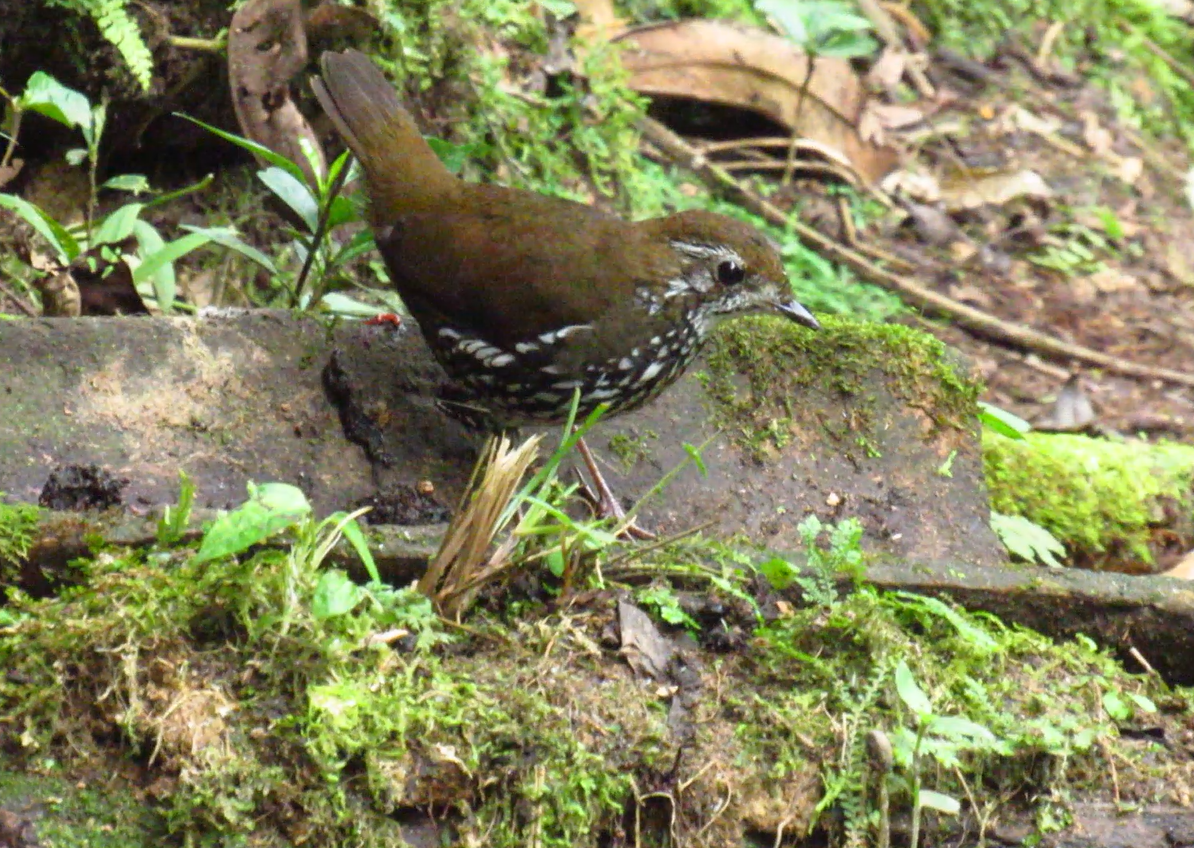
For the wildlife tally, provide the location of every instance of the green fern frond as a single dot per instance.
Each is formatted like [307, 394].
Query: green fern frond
[121, 31]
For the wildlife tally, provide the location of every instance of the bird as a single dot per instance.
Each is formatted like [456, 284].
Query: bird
[526, 299]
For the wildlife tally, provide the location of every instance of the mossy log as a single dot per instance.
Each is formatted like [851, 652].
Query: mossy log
[1120, 506]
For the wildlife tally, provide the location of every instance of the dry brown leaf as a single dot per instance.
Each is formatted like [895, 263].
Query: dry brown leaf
[267, 48]
[915, 185]
[895, 116]
[9, 172]
[1071, 412]
[60, 296]
[1097, 137]
[888, 69]
[1178, 264]
[1129, 168]
[972, 192]
[747, 68]
[1184, 570]
[1016, 118]
[647, 652]
[969, 293]
[1108, 280]
[598, 18]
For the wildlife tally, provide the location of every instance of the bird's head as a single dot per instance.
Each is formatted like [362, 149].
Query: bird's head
[728, 267]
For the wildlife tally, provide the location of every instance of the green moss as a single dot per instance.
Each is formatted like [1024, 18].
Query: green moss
[78, 814]
[756, 365]
[632, 449]
[578, 141]
[18, 527]
[253, 706]
[820, 680]
[1101, 499]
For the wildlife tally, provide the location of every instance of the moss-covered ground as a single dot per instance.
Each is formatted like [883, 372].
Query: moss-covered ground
[755, 366]
[237, 701]
[1112, 504]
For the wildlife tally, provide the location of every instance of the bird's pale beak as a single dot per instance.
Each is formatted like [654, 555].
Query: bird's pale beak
[792, 310]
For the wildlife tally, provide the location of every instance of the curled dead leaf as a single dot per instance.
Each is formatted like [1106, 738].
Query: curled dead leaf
[972, 191]
[747, 68]
[913, 184]
[1071, 412]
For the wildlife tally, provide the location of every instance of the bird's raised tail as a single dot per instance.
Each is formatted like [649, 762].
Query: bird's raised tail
[403, 173]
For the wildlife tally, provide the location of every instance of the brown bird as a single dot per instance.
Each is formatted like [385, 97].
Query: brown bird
[525, 299]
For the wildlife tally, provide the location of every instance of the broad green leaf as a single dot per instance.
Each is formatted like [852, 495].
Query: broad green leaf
[334, 594]
[452, 155]
[229, 238]
[356, 537]
[270, 509]
[314, 161]
[118, 225]
[282, 496]
[136, 183]
[1002, 422]
[940, 802]
[342, 212]
[168, 196]
[294, 193]
[46, 96]
[1116, 706]
[910, 693]
[1027, 539]
[275, 159]
[560, 8]
[168, 254]
[94, 130]
[779, 573]
[339, 304]
[1142, 703]
[55, 234]
[787, 17]
[163, 280]
[358, 245]
[961, 730]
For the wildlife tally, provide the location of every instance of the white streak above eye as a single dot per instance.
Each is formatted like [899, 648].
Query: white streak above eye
[706, 251]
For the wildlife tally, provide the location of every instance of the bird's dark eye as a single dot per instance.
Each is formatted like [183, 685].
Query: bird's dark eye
[730, 273]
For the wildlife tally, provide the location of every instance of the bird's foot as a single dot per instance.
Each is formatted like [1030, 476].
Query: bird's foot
[605, 504]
